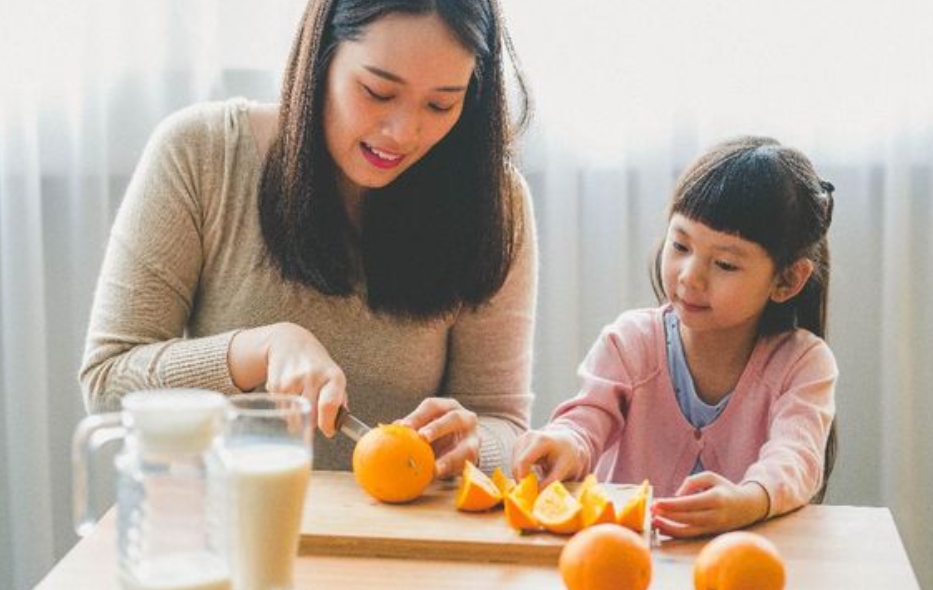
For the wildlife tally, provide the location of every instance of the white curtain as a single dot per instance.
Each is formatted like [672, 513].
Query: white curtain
[82, 84]
[627, 92]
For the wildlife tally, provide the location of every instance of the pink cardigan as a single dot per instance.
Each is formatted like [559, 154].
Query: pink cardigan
[773, 430]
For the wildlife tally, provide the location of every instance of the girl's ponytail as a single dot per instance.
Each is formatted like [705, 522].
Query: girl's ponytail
[811, 303]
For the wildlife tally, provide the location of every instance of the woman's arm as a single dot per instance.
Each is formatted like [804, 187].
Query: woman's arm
[287, 358]
[146, 289]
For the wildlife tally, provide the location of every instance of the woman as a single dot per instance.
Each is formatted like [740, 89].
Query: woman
[365, 242]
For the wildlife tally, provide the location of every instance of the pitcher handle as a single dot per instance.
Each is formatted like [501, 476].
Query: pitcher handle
[92, 433]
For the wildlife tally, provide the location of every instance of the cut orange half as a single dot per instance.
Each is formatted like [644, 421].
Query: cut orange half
[557, 510]
[477, 492]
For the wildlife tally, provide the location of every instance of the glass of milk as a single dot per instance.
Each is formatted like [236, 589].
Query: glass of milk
[268, 441]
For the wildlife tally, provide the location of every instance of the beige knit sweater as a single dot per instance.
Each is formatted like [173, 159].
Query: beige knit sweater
[184, 270]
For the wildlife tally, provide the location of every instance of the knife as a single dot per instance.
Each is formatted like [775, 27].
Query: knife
[350, 425]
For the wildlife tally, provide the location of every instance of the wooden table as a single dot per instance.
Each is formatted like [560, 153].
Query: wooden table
[825, 547]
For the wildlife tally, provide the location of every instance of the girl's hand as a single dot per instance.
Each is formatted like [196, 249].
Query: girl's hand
[289, 359]
[557, 453]
[452, 431]
[708, 503]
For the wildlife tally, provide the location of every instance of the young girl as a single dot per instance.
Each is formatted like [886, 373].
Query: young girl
[724, 397]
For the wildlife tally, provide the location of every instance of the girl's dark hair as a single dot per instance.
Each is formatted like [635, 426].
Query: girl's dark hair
[770, 194]
[444, 233]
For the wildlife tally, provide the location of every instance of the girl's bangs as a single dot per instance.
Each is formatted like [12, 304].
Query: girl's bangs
[744, 196]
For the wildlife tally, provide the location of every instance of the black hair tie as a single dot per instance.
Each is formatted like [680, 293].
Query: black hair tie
[828, 189]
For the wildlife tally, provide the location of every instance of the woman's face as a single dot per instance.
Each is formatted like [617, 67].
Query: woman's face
[391, 96]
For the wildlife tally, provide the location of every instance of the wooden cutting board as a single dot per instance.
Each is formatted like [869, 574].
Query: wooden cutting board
[340, 519]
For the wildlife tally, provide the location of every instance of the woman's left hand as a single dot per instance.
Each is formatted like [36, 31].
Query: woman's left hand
[452, 431]
[708, 503]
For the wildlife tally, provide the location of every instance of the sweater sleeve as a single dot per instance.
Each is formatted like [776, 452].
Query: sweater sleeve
[596, 415]
[149, 279]
[489, 355]
[790, 464]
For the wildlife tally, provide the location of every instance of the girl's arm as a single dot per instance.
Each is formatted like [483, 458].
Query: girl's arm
[583, 427]
[596, 415]
[790, 464]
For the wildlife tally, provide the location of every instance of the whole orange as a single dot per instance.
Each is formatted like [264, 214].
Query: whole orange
[606, 557]
[392, 463]
[739, 561]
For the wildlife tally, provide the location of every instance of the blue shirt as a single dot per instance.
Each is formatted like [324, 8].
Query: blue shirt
[697, 412]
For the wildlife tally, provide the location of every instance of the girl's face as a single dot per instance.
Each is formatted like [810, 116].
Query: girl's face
[391, 96]
[715, 281]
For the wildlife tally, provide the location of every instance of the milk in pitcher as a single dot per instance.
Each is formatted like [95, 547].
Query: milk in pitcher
[178, 572]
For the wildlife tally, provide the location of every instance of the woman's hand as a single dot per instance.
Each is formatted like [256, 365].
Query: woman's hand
[557, 452]
[289, 359]
[708, 503]
[451, 430]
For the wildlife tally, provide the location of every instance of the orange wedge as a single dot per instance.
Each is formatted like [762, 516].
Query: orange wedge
[588, 482]
[632, 514]
[519, 514]
[557, 510]
[527, 488]
[477, 492]
[596, 506]
[519, 504]
[502, 481]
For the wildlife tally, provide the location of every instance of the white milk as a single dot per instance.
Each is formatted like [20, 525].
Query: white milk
[179, 572]
[269, 483]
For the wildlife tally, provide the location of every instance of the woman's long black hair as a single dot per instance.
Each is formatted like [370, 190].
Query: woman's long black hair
[770, 194]
[442, 235]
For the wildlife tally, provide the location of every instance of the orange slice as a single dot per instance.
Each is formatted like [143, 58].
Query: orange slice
[477, 492]
[519, 504]
[557, 510]
[632, 514]
[502, 481]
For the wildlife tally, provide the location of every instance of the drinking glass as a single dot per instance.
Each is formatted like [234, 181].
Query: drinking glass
[269, 454]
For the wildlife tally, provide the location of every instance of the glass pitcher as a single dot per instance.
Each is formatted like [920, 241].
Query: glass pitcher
[171, 488]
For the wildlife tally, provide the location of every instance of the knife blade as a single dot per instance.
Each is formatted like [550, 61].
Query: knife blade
[350, 425]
